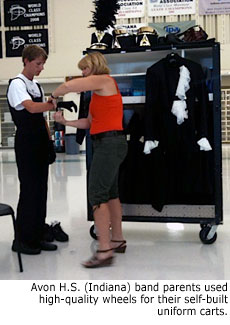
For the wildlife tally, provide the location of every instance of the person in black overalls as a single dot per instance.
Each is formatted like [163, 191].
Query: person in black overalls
[25, 98]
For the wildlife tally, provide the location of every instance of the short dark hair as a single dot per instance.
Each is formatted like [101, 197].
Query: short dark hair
[32, 52]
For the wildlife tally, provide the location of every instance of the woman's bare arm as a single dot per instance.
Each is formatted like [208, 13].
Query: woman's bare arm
[82, 123]
[95, 82]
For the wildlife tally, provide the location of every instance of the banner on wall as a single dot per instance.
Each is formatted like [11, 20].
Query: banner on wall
[210, 7]
[172, 27]
[17, 40]
[171, 7]
[130, 28]
[0, 44]
[131, 9]
[25, 13]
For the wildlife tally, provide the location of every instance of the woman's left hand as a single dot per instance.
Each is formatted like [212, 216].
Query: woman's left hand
[58, 117]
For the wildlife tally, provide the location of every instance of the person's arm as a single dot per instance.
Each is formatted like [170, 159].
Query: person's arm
[19, 98]
[82, 123]
[37, 107]
[95, 82]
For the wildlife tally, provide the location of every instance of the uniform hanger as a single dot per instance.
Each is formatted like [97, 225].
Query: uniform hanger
[173, 58]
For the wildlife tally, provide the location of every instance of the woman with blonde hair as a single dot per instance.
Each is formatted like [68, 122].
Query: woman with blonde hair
[109, 150]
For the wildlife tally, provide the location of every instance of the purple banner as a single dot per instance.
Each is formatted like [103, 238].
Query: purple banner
[214, 7]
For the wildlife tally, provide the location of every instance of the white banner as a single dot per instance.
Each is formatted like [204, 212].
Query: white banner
[210, 7]
[171, 7]
[130, 28]
[131, 9]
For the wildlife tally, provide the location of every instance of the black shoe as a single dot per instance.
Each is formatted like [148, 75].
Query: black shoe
[45, 246]
[58, 232]
[48, 233]
[25, 249]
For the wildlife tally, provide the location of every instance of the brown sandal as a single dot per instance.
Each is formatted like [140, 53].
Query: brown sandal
[120, 248]
[95, 262]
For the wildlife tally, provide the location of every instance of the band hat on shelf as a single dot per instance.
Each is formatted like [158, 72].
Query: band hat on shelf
[123, 39]
[120, 32]
[101, 40]
[146, 36]
[146, 30]
[98, 46]
[103, 20]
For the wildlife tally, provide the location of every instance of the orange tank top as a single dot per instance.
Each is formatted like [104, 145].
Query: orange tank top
[106, 112]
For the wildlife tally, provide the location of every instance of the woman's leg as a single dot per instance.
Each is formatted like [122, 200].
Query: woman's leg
[116, 218]
[117, 240]
[104, 254]
[102, 223]
[103, 172]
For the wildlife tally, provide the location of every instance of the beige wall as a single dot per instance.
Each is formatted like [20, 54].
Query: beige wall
[69, 36]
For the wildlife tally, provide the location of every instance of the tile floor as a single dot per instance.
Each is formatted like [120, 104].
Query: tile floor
[156, 251]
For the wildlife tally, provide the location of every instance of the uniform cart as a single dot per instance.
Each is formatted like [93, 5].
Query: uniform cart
[129, 69]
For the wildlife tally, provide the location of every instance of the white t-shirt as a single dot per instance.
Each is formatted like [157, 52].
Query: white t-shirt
[18, 91]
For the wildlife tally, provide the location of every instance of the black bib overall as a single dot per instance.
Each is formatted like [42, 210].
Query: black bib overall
[31, 149]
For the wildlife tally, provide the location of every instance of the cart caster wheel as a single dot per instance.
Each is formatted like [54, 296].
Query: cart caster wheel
[204, 235]
[92, 232]
[203, 225]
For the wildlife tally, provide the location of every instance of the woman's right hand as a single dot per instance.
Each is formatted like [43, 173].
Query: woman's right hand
[58, 117]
